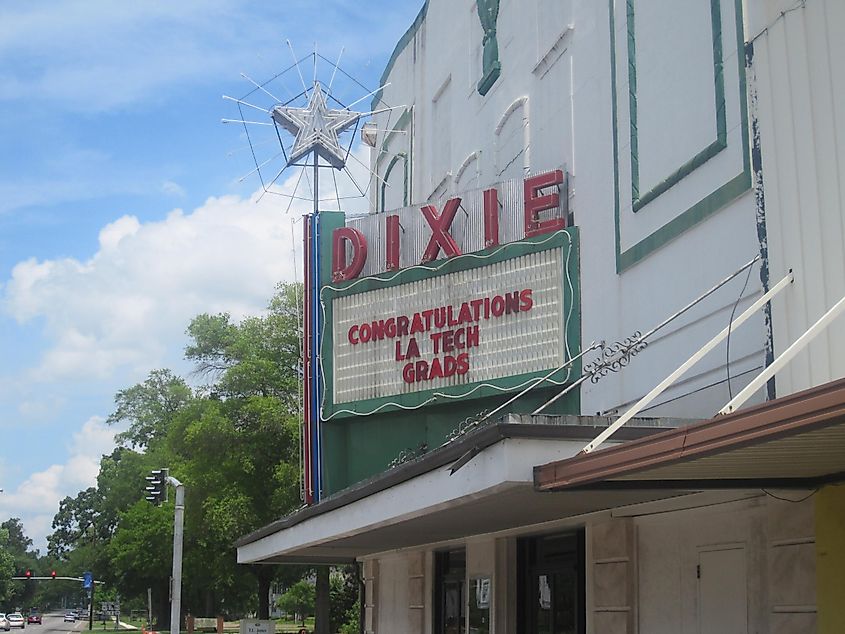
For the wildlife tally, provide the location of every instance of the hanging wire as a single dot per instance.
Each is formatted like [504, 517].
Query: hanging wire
[728, 342]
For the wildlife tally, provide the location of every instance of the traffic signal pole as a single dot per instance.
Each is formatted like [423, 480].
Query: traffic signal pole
[178, 524]
[156, 492]
[91, 606]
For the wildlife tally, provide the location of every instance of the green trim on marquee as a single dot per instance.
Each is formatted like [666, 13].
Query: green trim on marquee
[714, 201]
[485, 389]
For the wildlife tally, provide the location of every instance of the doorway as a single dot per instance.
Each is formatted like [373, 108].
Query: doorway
[722, 590]
[450, 592]
[550, 597]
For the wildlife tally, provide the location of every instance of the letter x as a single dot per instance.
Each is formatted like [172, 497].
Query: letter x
[440, 236]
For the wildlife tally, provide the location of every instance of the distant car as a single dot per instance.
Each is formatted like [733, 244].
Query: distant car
[34, 618]
[16, 620]
[70, 616]
[4, 622]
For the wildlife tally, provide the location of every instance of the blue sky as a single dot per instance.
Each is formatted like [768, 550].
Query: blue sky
[121, 212]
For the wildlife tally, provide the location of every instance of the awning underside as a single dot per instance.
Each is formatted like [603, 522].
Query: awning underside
[503, 510]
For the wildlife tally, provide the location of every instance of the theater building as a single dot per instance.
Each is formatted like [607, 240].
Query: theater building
[569, 373]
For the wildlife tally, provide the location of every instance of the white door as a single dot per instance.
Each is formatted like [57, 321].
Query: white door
[722, 591]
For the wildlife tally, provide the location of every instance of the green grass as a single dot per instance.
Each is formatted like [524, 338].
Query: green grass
[283, 625]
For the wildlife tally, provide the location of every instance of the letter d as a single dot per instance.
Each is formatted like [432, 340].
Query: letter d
[340, 269]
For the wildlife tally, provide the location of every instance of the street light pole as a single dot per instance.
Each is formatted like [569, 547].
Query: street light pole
[178, 523]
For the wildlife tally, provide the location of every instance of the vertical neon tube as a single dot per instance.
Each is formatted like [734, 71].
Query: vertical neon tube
[308, 457]
[315, 358]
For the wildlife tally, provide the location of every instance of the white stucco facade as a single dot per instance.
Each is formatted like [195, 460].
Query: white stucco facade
[675, 182]
[555, 105]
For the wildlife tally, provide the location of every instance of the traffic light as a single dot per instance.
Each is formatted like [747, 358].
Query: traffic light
[156, 488]
[53, 575]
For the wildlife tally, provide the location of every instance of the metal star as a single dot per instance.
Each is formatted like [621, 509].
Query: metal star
[316, 128]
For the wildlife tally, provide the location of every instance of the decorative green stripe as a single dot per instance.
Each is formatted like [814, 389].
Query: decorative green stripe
[491, 74]
[614, 113]
[715, 200]
[640, 201]
[488, 14]
[397, 51]
[390, 166]
[400, 124]
[632, 104]
[683, 171]
[675, 227]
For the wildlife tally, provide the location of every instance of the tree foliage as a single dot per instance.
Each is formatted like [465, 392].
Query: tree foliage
[299, 599]
[233, 441]
[149, 408]
[23, 557]
[7, 565]
[344, 608]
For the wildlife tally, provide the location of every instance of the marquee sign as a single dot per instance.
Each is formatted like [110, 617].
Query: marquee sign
[458, 328]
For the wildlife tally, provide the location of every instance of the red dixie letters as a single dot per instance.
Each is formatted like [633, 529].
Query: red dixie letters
[441, 239]
[535, 203]
[440, 236]
[340, 270]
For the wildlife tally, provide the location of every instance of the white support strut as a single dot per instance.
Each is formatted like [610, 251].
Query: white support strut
[787, 355]
[669, 380]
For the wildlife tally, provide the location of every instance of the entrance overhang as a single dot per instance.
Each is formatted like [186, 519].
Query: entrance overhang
[797, 441]
[480, 484]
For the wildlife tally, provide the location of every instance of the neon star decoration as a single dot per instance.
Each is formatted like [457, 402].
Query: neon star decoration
[316, 128]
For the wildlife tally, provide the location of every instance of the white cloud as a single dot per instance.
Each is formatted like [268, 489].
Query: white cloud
[138, 292]
[36, 500]
[173, 189]
[127, 306]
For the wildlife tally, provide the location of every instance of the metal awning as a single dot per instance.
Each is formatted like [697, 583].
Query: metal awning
[480, 484]
[795, 441]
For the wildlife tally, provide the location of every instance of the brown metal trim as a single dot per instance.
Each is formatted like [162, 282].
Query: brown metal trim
[815, 408]
[711, 484]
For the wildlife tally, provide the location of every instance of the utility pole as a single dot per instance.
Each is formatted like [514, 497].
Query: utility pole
[178, 524]
[157, 493]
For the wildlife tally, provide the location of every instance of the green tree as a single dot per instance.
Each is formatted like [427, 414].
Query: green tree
[140, 553]
[343, 599]
[149, 408]
[24, 558]
[247, 429]
[233, 442]
[298, 599]
[7, 566]
[75, 522]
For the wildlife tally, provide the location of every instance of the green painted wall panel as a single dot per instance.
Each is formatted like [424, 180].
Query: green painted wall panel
[360, 448]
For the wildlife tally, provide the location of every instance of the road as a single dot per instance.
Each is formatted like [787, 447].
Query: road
[54, 623]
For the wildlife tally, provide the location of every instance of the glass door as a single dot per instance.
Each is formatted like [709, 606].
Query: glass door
[550, 598]
[555, 606]
[450, 592]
